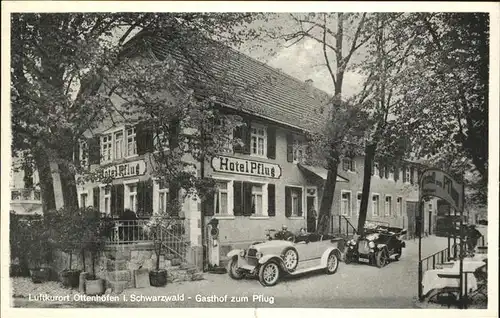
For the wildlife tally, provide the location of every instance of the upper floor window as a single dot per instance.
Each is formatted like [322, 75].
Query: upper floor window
[258, 140]
[406, 174]
[375, 170]
[117, 145]
[131, 142]
[348, 164]
[298, 151]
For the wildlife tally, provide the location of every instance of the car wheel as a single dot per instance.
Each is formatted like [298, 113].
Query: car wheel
[398, 256]
[381, 258]
[269, 273]
[290, 258]
[332, 263]
[233, 271]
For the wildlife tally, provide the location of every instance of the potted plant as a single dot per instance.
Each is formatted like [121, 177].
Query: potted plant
[94, 241]
[157, 228]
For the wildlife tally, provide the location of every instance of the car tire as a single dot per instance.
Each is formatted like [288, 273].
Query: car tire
[269, 274]
[233, 271]
[398, 255]
[332, 263]
[381, 258]
[293, 258]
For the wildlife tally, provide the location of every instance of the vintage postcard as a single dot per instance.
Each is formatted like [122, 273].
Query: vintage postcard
[188, 155]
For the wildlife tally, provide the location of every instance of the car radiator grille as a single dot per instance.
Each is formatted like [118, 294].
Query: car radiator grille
[252, 252]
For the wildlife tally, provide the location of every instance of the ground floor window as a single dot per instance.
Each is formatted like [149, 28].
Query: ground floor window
[399, 206]
[375, 205]
[162, 200]
[107, 200]
[345, 203]
[248, 198]
[84, 199]
[293, 201]
[221, 198]
[132, 197]
[388, 205]
[257, 207]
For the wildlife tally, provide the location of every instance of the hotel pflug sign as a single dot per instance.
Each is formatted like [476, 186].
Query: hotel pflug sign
[127, 169]
[435, 182]
[246, 167]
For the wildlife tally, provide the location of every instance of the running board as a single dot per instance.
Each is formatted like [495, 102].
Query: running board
[305, 270]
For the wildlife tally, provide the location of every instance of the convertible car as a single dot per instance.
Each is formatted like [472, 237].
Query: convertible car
[276, 258]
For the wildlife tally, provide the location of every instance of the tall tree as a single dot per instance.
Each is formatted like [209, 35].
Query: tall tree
[59, 62]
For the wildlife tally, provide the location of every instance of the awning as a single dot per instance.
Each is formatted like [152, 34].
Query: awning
[319, 172]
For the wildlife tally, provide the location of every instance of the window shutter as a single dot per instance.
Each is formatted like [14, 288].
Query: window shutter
[247, 198]
[247, 137]
[299, 213]
[381, 171]
[271, 142]
[96, 198]
[148, 197]
[209, 205]
[412, 171]
[289, 147]
[238, 134]
[288, 201]
[94, 148]
[386, 171]
[271, 199]
[117, 199]
[144, 138]
[238, 198]
[396, 173]
[140, 198]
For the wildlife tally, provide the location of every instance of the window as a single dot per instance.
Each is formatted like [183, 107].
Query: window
[399, 206]
[387, 173]
[107, 200]
[221, 199]
[375, 171]
[131, 142]
[118, 145]
[258, 140]
[359, 202]
[257, 199]
[388, 205]
[15, 195]
[293, 204]
[106, 145]
[348, 164]
[298, 151]
[160, 141]
[162, 198]
[132, 197]
[375, 205]
[83, 200]
[391, 173]
[406, 174]
[345, 204]
[37, 195]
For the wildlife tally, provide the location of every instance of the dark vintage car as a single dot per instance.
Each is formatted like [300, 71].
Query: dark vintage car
[286, 255]
[378, 244]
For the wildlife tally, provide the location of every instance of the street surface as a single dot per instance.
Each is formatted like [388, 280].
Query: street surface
[353, 286]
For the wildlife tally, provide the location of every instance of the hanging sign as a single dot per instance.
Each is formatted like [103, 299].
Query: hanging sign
[246, 167]
[435, 182]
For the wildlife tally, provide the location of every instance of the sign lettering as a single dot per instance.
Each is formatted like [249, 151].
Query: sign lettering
[246, 167]
[128, 169]
[437, 183]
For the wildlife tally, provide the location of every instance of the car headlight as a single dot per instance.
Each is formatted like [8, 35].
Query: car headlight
[242, 253]
[259, 255]
[371, 244]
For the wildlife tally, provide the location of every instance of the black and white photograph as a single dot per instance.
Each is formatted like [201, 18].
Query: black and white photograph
[183, 155]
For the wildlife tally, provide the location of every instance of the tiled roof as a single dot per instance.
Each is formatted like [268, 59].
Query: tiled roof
[248, 85]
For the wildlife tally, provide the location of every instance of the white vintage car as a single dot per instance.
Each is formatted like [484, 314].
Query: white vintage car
[273, 259]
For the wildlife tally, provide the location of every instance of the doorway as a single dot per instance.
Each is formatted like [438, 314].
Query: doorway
[312, 209]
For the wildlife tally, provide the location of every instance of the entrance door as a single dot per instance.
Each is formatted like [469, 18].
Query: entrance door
[411, 212]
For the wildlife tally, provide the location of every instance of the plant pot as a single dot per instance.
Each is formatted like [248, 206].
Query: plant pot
[40, 275]
[94, 287]
[70, 277]
[158, 278]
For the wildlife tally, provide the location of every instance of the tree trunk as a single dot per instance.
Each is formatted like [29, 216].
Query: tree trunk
[367, 178]
[68, 186]
[42, 163]
[327, 198]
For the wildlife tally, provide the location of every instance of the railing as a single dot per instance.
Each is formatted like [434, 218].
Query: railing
[24, 194]
[172, 236]
[340, 225]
